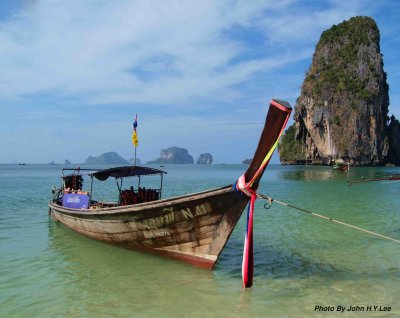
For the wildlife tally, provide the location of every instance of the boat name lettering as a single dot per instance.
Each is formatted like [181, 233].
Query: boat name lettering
[198, 210]
[169, 217]
[159, 220]
[154, 234]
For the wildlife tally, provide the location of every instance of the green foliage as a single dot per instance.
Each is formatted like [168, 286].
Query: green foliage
[356, 28]
[335, 68]
[289, 148]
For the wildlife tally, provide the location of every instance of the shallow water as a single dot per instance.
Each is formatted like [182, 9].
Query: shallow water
[46, 270]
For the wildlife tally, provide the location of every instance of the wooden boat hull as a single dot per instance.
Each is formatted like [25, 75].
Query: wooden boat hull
[341, 168]
[192, 228]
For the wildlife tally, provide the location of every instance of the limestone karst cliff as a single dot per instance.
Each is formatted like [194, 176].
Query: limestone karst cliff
[173, 155]
[342, 111]
[205, 158]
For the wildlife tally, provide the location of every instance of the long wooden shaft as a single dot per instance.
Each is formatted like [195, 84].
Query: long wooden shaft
[391, 178]
[277, 117]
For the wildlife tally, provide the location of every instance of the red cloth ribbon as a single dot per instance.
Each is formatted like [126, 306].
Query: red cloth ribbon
[248, 257]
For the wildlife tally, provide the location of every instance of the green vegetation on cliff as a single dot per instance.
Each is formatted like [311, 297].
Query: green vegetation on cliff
[337, 70]
[289, 148]
[356, 27]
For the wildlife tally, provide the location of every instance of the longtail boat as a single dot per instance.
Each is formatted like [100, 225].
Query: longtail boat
[192, 228]
[341, 167]
[395, 177]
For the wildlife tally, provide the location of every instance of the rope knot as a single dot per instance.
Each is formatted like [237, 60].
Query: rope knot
[244, 187]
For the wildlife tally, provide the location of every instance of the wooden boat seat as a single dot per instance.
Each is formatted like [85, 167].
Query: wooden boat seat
[129, 196]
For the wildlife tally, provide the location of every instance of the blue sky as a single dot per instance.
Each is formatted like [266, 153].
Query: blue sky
[199, 74]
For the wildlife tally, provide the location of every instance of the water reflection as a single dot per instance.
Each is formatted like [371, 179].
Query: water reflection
[307, 173]
[322, 173]
[97, 275]
[271, 262]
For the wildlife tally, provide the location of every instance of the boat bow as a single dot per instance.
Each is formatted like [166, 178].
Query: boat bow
[277, 117]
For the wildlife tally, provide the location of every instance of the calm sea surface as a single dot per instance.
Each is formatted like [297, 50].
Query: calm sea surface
[301, 261]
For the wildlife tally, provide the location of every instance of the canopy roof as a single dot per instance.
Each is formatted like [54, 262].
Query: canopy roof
[126, 171]
[116, 172]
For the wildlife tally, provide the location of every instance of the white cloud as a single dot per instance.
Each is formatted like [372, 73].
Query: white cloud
[91, 49]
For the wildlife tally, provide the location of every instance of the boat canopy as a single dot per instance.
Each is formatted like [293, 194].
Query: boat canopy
[126, 171]
[116, 172]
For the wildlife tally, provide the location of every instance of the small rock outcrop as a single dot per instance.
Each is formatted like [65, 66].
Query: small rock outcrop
[342, 111]
[247, 161]
[67, 162]
[393, 134]
[205, 158]
[108, 158]
[174, 155]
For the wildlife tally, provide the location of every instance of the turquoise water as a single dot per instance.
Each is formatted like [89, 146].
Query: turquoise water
[46, 270]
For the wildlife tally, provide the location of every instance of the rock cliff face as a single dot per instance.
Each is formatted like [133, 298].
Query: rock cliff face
[393, 156]
[342, 112]
[205, 158]
[174, 155]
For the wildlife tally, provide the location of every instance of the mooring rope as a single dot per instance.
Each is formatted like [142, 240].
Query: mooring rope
[270, 200]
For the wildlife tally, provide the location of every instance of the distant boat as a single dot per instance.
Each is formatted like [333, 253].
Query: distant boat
[192, 228]
[22, 164]
[341, 167]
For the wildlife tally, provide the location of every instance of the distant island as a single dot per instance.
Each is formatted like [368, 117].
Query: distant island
[108, 158]
[173, 155]
[247, 161]
[205, 158]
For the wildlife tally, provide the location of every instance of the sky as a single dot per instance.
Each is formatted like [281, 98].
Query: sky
[199, 74]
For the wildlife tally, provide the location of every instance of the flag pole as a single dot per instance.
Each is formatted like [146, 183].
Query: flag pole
[135, 157]
[135, 140]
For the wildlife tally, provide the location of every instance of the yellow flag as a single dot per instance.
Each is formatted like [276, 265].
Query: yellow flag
[135, 139]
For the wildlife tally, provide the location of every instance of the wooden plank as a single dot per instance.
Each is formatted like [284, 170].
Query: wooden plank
[226, 227]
